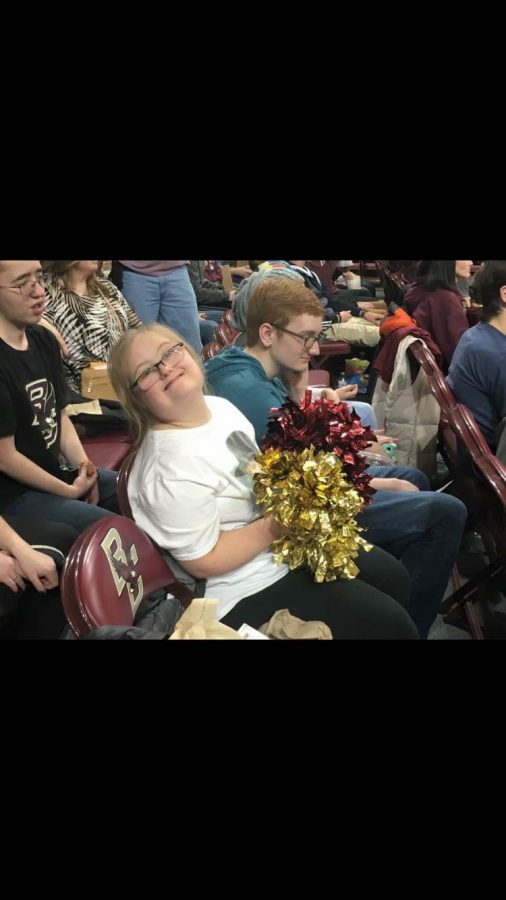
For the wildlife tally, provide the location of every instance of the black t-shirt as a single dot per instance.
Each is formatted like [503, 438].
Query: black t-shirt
[32, 395]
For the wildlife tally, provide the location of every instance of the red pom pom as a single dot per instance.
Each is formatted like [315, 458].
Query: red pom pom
[325, 425]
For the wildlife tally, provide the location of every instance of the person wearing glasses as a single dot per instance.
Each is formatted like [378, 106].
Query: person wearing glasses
[421, 528]
[234, 372]
[190, 490]
[217, 373]
[34, 431]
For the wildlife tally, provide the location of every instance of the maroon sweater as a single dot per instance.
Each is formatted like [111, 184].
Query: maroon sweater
[440, 313]
[326, 269]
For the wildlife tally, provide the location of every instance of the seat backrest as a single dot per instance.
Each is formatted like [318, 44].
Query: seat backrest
[213, 348]
[228, 316]
[224, 334]
[437, 382]
[459, 419]
[492, 470]
[107, 451]
[122, 486]
[394, 283]
[110, 570]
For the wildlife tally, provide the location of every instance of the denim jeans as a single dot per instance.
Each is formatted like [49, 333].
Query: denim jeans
[207, 329]
[405, 473]
[423, 530]
[77, 513]
[168, 299]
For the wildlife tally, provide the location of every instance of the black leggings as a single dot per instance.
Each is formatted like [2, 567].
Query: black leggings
[371, 607]
[34, 616]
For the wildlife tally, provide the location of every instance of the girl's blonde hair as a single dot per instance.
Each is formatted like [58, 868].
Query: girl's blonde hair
[140, 418]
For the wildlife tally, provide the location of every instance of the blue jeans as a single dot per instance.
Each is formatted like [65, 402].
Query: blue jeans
[168, 299]
[423, 530]
[39, 505]
[207, 328]
[212, 315]
[406, 473]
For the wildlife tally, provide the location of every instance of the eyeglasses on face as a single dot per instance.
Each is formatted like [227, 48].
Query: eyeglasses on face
[150, 376]
[26, 287]
[308, 342]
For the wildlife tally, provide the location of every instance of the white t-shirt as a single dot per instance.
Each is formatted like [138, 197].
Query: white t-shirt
[188, 485]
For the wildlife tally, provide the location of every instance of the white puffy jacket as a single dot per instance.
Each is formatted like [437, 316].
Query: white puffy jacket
[409, 413]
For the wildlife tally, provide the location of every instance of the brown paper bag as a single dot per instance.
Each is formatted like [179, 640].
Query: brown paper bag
[199, 623]
[285, 627]
[96, 383]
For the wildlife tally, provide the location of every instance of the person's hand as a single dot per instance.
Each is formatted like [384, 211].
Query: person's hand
[243, 271]
[393, 484]
[231, 297]
[276, 530]
[374, 447]
[83, 483]
[374, 318]
[363, 304]
[37, 568]
[383, 438]
[202, 315]
[94, 496]
[348, 392]
[53, 330]
[9, 573]
[402, 485]
[345, 316]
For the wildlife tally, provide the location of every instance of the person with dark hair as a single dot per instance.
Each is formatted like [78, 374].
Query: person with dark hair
[359, 327]
[435, 302]
[477, 373]
[357, 302]
[209, 294]
[212, 299]
[35, 432]
[407, 268]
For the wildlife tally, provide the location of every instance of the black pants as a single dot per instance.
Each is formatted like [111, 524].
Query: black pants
[116, 274]
[30, 615]
[501, 442]
[371, 607]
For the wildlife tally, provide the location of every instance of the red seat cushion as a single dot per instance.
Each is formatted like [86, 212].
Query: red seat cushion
[329, 349]
[107, 451]
[110, 570]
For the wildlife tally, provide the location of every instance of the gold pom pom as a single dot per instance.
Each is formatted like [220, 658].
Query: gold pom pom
[309, 494]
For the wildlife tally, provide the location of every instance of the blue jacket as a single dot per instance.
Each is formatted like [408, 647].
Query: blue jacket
[240, 378]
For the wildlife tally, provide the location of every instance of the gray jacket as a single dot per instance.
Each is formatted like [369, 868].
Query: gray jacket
[209, 293]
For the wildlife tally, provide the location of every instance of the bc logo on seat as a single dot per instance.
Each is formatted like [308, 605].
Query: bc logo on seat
[122, 565]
